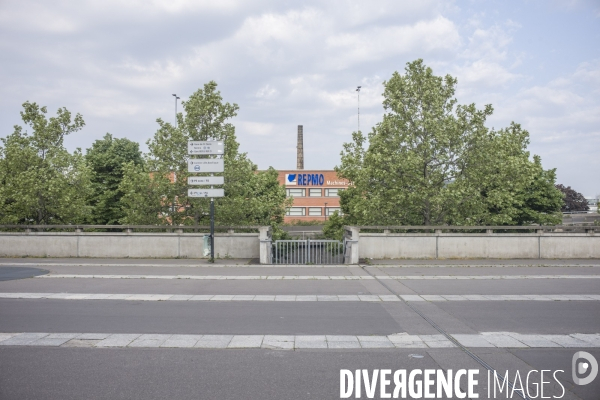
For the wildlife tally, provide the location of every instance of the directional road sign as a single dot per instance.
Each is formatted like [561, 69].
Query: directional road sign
[206, 165]
[206, 192]
[206, 180]
[205, 148]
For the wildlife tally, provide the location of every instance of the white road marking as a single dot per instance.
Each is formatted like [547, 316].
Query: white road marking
[291, 342]
[318, 277]
[58, 264]
[360, 297]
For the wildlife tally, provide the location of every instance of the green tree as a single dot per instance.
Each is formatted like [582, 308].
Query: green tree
[432, 161]
[540, 201]
[107, 158]
[251, 197]
[334, 227]
[40, 181]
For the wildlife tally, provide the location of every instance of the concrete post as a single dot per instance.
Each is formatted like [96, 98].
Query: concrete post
[351, 236]
[264, 236]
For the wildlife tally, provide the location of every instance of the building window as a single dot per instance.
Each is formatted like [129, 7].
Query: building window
[332, 192]
[296, 192]
[296, 212]
[315, 192]
[330, 210]
[315, 211]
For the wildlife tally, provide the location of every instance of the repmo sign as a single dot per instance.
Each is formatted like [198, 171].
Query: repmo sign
[206, 165]
[305, 179]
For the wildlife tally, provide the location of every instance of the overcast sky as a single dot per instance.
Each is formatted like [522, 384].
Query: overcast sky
[287, 63]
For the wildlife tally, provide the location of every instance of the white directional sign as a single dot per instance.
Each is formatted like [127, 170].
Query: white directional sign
[206, 165]
[206, 192]
[206, 180]
[205, 148]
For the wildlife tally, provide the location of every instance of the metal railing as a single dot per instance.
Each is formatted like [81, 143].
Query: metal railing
[309, 251]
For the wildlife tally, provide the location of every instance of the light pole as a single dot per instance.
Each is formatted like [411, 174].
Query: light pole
[358, 94]
[176, 98]
[325, 210]
[174, 204]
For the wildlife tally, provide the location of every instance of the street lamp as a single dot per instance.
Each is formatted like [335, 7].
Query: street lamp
[176, 98]
[325, 210]
[174, 204]
[358, 94]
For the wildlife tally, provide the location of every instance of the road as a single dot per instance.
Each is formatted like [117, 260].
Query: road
[182, 329]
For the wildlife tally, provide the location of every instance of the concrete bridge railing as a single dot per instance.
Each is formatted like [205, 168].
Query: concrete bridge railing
[464, 242]
[135, 241]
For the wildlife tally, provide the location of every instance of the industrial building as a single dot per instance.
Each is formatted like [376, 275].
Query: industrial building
[315, 192]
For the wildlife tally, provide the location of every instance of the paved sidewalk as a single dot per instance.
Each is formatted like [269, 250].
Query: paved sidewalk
[296, 342]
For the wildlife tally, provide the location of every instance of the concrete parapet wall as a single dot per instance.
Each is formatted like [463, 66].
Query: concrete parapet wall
[494, 245]
[570, 246]
[120, 245]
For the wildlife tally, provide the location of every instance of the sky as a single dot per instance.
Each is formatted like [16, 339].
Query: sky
[290, 63]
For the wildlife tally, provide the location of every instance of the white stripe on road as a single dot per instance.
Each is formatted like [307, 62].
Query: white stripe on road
[71, 264]
[286, 297]
[291, 342]
[322, 277]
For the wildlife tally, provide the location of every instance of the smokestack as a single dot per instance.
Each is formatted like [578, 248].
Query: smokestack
[300, 149]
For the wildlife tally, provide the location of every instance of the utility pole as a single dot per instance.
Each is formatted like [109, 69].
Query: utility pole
[176, 98]
[358, 94]
[174, 172]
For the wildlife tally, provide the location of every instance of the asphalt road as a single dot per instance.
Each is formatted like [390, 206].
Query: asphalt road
[46, 371]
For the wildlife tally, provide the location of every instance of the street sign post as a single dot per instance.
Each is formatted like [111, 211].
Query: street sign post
[206, 165]
[206, 180]
[206, 192]
[205, 148]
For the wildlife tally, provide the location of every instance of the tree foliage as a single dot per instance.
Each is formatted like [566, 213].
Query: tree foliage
[40, 181]
[106, 159]
[334, 227]
[157, 192]
[432, 161]
[572, 199]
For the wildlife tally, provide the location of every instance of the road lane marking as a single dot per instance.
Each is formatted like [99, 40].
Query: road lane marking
[293, 342]
[365, 298]
[303, 298]
[317, 277]
[71, 264]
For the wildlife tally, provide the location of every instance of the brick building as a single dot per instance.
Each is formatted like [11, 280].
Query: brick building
[315, 193]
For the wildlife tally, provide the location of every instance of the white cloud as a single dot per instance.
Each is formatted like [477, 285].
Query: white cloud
[286, 64]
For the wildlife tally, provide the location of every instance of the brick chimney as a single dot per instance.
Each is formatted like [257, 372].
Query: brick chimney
[300, 149]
